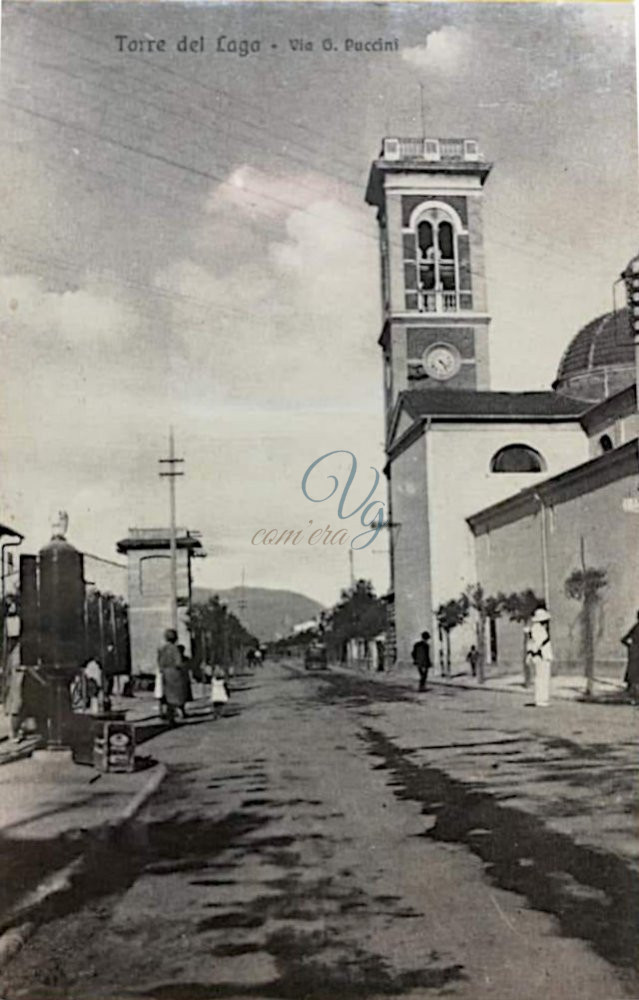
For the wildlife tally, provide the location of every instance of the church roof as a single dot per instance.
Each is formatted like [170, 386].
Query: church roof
[622, 404]
[459, 404]
[605, 341]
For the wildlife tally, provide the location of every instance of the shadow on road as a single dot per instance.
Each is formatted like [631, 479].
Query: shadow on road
[592, 894]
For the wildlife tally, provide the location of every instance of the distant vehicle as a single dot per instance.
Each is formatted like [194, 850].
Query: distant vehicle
[315, 657]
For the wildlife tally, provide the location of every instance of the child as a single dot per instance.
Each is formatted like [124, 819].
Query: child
[219, 692]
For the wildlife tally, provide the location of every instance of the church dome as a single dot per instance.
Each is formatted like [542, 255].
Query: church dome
[600, 360]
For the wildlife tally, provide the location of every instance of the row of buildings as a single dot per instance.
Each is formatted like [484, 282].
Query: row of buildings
[512, 490]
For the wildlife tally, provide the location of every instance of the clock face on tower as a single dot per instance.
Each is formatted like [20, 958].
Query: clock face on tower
[441, 361]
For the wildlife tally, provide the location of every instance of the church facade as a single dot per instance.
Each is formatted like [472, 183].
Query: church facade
[504, 489]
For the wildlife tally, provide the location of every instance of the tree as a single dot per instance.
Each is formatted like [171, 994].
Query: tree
[493, 608]
[107, 639]
[217, 635]
[585, 585]
[520, 607]
[359, 614]
[487, 608]
[449, 616]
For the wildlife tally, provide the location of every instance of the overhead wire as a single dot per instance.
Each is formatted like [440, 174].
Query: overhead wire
[208, 174]
[193, 82]
[520, 248]
[188, 168]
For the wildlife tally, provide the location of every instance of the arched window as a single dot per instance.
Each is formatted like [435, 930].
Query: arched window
[426, 257]
[446, 238]
[436, 252]
[605, 443]
[517, 458]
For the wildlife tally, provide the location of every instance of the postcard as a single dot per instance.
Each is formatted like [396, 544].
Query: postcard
[320, 500]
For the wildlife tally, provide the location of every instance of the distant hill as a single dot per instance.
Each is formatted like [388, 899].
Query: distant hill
[267, 614]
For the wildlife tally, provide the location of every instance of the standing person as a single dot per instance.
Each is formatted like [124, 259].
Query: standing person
[381, 653]
[473, 658]
[186, 667]
[421, 659]
[14, 704]
[631, 642]
[541, 654]
[528, 657]
[257, 658]
[219, 692]
[172, 674]
[86, 690]
[109, 673]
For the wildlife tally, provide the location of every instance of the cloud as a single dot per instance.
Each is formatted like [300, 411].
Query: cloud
[54, 322]
[259, 343]
[445, 51]
[256, 193]
[264, 323]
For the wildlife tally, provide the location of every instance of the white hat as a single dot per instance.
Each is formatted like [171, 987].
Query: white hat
[541, 615]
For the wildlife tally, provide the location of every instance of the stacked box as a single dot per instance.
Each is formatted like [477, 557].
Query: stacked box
[114, 748]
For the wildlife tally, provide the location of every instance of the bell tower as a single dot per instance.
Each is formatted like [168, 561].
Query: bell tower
[428, 194]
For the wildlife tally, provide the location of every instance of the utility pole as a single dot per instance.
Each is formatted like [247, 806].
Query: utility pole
[172, 461]
[241, 604]
[241, 608]
[423, 109]
[351, 564]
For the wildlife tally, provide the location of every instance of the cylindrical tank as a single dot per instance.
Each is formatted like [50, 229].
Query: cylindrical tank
[62, 640]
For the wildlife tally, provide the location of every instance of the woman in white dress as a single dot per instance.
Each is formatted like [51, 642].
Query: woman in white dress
[541, 655]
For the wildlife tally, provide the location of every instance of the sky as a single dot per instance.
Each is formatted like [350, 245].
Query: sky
[185, 242]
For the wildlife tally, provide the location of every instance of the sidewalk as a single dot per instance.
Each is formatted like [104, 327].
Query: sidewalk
[53, 813]
[54, 816]
[43, 799]
[564, 687]
[141, 709]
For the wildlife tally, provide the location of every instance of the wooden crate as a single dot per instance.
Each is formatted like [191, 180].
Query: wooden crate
[114, 748]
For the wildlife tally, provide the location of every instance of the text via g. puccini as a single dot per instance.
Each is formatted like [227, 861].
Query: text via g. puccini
[227, 45]
[370, 510]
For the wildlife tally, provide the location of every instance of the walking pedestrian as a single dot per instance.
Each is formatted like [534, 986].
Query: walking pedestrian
[631, 642]
[173, 678]
[541, 655]
[473, 658]
[421, 659]
[219, 692]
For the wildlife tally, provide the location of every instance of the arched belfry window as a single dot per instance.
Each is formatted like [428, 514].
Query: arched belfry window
[446, 238]
[426, 257]
[436, 230]
[517, 458]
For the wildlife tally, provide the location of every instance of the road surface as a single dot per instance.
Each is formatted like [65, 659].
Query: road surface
[298, 850]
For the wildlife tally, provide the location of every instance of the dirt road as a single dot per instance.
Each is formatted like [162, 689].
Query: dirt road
[299, 849]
